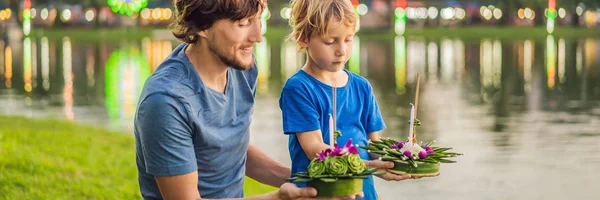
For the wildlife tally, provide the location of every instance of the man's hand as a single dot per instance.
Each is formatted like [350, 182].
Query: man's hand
[289, 191]
[384, 166]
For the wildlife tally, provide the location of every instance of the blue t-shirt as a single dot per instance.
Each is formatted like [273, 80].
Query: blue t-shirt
[306, 105]
[183, 126]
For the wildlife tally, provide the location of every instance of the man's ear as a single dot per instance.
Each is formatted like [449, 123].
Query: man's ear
[203, 33]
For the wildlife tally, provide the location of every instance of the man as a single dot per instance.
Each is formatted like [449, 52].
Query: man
[192, 121]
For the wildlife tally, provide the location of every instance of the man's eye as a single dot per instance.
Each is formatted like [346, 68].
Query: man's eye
[242, 24]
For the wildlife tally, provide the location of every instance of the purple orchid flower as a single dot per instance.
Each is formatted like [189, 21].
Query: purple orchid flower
[422, 155]
[324, 154]
[345, 150]
[353, 150]
[336, 152]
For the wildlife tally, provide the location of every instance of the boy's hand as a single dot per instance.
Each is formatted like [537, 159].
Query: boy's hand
[383, 166]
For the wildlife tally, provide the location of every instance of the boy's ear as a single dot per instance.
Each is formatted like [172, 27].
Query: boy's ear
[302, 41]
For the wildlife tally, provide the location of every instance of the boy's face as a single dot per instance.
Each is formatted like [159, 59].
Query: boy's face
[331, 52]
[232, 41]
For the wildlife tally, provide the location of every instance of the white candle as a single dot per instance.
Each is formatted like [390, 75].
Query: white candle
[331, 131]
[412, 124]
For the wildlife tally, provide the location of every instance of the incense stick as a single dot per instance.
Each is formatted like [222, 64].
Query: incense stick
[416, 104]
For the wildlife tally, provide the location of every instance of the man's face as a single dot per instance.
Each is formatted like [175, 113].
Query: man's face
[232, 41]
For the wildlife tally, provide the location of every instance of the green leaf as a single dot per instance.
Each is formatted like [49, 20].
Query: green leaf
[377, 142]
[430, 143]
[301, 174]
[324, 176]
[413, 163]
[389, 158]
[380, 152]
[381, 146]
[370, 147]
[389, 142]
[427, 160]
[368, 171]
[378, 172]
[441, 150]
[328, 180]
[446, 161]
[303, 180]
[394, 152]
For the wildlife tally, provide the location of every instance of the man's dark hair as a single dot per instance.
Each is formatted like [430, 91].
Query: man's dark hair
[192, 16]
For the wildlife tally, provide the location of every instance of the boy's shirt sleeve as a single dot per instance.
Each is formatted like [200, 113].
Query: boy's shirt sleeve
[298, 111]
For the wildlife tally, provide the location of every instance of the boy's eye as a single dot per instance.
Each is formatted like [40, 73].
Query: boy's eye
[329, 42]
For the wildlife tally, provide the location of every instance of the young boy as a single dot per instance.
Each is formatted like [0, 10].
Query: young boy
[325, 29]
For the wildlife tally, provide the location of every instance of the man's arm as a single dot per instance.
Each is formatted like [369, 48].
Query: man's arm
[184, 187]
[264, 169]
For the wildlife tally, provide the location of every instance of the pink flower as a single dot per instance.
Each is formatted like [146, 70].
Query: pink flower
[430, 151]
[422, 155]
[393, 146]
[427, 148]
[407, 153]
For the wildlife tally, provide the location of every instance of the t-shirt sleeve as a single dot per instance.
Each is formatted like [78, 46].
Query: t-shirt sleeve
[298, 112]
[374, 119]
[165, 136]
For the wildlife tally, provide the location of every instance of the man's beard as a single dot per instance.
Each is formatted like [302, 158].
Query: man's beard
[229, 61]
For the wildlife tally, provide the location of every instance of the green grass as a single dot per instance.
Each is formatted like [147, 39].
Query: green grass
[49, 159]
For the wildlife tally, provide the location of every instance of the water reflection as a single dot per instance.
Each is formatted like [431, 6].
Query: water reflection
[264, 58]
[45, 59]
[8, 66]
[569, 65]
[68, 78]
[400, 64]
[500, 102]
[354, 61]
[126, 71]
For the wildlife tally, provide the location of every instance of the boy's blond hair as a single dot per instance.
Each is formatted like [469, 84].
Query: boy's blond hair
[311, 17]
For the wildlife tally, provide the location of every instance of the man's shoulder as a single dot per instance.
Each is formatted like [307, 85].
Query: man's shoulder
[170, 79]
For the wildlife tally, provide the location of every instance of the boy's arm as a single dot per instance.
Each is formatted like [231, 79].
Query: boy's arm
[312, 143]
[374, 136]
[264, 169]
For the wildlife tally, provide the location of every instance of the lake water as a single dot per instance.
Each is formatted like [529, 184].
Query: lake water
[526, 113]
